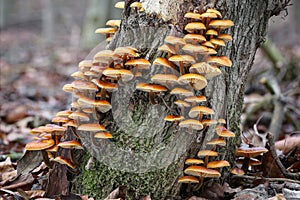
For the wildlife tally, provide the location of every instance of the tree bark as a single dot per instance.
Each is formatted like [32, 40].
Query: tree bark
[146, 31]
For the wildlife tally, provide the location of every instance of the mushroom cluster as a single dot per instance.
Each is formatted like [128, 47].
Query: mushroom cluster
[246, 158]
[114, 24]
[194, 56]
[94, 83]
[198, 169]
[48, 140]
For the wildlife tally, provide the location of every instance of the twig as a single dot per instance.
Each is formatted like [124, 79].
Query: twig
[271, 147]
[268, 179]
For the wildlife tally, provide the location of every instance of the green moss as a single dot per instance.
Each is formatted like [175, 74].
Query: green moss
[101, 180]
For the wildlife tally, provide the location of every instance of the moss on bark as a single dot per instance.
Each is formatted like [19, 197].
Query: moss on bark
[100, 180]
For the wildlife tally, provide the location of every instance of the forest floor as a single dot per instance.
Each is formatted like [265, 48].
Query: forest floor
[32, 75]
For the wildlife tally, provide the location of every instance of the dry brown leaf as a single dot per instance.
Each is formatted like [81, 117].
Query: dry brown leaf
[288, 143]
[35, 193]
[7, 172]
[16, 114]
[270, 168]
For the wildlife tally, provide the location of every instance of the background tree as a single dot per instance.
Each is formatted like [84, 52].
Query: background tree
[225, 93]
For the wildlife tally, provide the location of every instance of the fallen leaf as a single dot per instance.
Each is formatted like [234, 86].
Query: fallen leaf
[29, 161]
[288, 143]
[290, 194]
[16, 114]
[22, 181]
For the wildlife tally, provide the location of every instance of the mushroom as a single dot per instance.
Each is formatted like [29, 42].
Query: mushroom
[138, 64]
[195, 27]
[104, 56]
[201, 172]
[208, 122]
[197, 81]
[181, 92]
[182, 60]
[225, 37]
[192, 15]
[151, 88]
[85, 65]
[64, 113]
[79, 75]
[194, 38]
[182, 104]
[103, 135]
[195, 50]
[211, 32]
[137, 6]
[195, 99]
[198, 111]
[176, 41]
[105, 86]
[191, 124]
[41, 145]
[220, 60]
[167, 80]
[205, 69]
[174, 118]
[123, 74]
[167, 48]
[193, 161]
[189, 180]
[249, 152]
[218, 164]
[163, 62]
[71, 145]
[113, 23]
[64, 161]
[79, 116]
[206, 154]
[92, 128]
[84, 85]
[220, 24]
[217, 141]
[237, 171]
[107, 31]
[120, 5]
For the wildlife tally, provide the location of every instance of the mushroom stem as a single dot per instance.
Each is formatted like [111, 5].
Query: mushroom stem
[76, 134]
[92, 138]
[57, 138]
[181, 68]
[200, 116]
[182, 110]
[151, 98]
[189, 188]
[245, 164]
[71, 154]
[197, 187]
[103, 94]
[46, 159]
[205, 161]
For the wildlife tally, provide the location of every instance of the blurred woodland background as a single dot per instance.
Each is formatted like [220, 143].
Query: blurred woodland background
[42, 41]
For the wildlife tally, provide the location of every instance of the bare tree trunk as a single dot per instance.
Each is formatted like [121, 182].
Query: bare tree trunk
[49, 21]
[146, 32]
[96, 15]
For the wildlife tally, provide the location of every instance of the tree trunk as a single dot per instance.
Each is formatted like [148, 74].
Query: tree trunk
[157, 151]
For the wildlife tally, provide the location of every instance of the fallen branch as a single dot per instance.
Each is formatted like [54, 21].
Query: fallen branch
[285, 172]
[267, 179]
